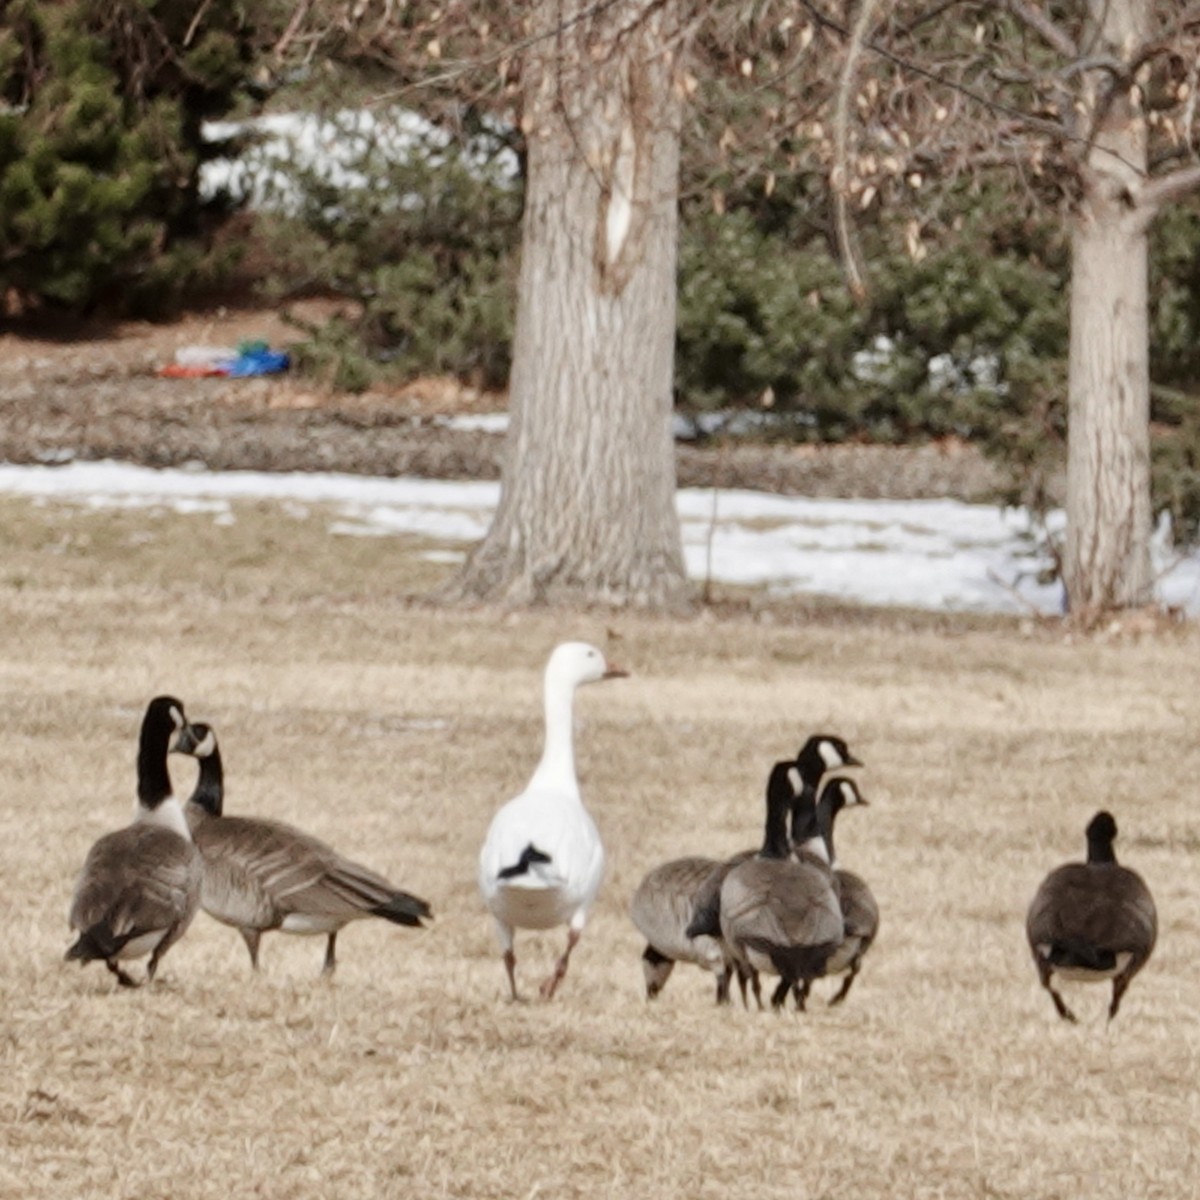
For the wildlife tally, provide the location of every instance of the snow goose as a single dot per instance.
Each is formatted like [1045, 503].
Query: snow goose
[140, 886]
[261, 875]
[813, 833]
[677, 905]
[542, 860]
[779, 913]
[1092, 921]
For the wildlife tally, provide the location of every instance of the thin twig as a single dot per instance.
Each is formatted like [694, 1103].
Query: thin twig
[293, 27]
[191, 30]
[469, 65]
[1052, 129]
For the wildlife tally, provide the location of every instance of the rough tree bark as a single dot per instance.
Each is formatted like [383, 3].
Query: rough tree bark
[1098, 96]
[587, 501]
[1107, 562]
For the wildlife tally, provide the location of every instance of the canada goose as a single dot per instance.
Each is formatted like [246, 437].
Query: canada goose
[684, 894]
[779, 913]
[261, 875]
[542, 860]
[1092, 921]
[140, 886]
[663, 907]
[860, 913]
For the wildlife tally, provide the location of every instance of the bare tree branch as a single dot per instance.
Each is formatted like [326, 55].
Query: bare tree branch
[1120, 71]
[1031, 16]
[1182, 23]
[932, 15]
[1056, 130]
[195, 23]
[471, 65]
[299, 14]
[1167, 189]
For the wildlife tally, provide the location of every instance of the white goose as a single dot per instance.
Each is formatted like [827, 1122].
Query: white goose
[542, 860]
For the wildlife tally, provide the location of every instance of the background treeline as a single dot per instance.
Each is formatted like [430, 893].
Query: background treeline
[101, 208]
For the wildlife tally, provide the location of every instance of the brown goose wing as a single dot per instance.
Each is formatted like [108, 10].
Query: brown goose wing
[137, 880]
[860, 912]
[260, 872]
[1106, 906]
[706, 907]
[1137, 923]
[779, 903]
[665, 903]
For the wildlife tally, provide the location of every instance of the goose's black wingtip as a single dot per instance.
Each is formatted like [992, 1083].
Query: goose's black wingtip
[405, 909]
[98, 942]
[78, 952]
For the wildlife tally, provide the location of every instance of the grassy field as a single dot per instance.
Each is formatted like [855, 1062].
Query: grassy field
[394, 730]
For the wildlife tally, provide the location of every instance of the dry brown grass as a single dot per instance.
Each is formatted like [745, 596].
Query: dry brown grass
[395, 730]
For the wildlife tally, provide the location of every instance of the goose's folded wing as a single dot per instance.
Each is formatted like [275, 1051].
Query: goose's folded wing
[1073, 905]
[664, 903]
[780, 904]
[705, 919]
[530, 845]
[136, 881]
[860, 910]
[344, 888]
[269, 870]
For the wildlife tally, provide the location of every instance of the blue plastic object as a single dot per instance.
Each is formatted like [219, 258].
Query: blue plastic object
[259, 362]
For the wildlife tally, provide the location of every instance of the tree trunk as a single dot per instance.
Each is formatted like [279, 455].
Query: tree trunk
[587, 495]
[1107, 564]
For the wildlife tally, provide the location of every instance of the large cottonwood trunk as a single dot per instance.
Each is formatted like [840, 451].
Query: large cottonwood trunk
[1107, 564]
[587, 501]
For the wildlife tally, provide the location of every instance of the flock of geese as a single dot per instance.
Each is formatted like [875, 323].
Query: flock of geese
[786, 909]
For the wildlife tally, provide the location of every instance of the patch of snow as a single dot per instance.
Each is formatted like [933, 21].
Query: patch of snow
[931, 554]
[335, 149]
[685, 427]
[475, 422]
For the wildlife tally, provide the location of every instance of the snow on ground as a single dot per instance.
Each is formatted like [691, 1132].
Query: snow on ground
[931, 554]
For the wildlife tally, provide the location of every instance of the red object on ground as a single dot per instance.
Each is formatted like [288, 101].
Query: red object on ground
[191, 371]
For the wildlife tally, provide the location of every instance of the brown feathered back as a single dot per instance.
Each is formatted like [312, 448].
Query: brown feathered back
[1092, 921]
[138, 881]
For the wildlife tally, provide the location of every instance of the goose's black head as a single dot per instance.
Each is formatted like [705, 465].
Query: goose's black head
[163, 723]
[823, 752]
[840, 793]
[162, 727]
[1101, 833]
[200, 741]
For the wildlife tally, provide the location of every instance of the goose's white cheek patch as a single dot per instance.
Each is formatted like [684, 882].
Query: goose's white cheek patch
[830, 756]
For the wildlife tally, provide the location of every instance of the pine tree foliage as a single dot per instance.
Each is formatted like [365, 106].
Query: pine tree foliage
[424, 246]
[101, 107]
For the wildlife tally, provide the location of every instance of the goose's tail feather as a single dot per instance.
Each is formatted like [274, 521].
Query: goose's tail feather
[403, 908]
[96, 942]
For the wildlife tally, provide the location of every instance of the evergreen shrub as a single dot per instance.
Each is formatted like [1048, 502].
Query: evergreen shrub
[424, 245]
[101, 106]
